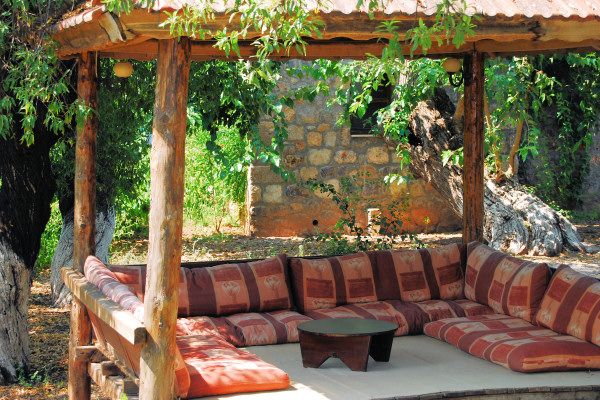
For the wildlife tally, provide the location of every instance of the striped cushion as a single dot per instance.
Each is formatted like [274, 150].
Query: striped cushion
[417, 275]
[330, 282]
[572, 305]
[440, 309]
[508, 285]
[410, 318]
[267, 328]
[104, 279]
[234, 288]
[516, 344]
[216, 367]
[209, 326]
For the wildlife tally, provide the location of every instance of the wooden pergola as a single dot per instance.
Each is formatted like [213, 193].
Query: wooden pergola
[506, 28]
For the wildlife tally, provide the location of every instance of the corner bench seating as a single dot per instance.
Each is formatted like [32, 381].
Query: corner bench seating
[512, 312]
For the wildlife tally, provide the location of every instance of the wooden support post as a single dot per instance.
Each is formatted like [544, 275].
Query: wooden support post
[167, 164]
[473, 156]
[84, 230]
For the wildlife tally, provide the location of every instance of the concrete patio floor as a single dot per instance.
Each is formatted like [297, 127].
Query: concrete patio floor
[419, 368]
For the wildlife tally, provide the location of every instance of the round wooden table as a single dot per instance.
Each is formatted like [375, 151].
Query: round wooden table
[351, 340]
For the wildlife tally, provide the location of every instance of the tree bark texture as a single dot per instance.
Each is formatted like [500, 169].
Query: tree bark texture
[63, 254]
[167, 164]
[514, 220]
[84, 220]
[26, 191]
[473, 153]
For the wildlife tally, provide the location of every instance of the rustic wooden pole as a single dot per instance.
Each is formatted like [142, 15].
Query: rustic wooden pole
[473, 156]
[167, 164]
[84, 229]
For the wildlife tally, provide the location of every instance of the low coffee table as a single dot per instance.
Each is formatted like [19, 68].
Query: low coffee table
[352, 340]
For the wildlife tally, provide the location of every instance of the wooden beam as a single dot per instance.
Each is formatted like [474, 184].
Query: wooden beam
[84, 230]
[104, 308]
[473, 147]
[167, 162]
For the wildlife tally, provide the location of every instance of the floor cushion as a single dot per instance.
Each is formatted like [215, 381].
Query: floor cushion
[410, 318]
[334, 281]
[217, 367]
[508, 285]
[440, 309]
[267, 328]
[516, 344]
[571, 305]
[417, 275]
[209, 326]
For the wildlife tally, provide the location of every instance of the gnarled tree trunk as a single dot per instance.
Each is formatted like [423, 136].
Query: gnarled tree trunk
[63, 254]
[515, 220]
[26, 191]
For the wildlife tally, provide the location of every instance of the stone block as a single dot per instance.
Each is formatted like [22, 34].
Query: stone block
[254, 194]
[399, 189]
[314, 139]
[273, 194]
[378, 155]
[324, 195]
[308, 172]
[297, 192]
[345, 157]
[293, 161]
[319, 156]
[263, 174]
[289, 113]
[300, 146]
[330, 139]
[295, 132]
[324, 127]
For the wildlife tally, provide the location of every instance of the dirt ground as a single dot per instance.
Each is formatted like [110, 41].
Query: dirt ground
[49, 327]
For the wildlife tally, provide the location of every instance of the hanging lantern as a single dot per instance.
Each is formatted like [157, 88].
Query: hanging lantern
[123, 69]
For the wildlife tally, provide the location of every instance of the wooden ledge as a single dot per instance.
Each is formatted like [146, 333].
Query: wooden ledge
[104, 308]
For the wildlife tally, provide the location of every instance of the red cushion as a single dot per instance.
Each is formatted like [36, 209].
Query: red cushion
[209, 326]
[410, 318]
[267, 328]
[508, 285]
[234, 288]
[417, 275]
[333, 281]
[217, 367]
[572, 305]
[516, 344]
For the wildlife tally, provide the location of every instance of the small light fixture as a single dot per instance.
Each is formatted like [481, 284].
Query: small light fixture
[452, 66]
[123, 69]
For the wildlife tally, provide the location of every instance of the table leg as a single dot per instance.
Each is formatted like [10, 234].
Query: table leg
[352, 351]
[381, 346]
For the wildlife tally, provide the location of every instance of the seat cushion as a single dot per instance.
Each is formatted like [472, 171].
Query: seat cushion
[508, 285]
[267, 328]
[217, 367]
[334, 281]
[410, 318]
[209, 326]
[516, 344]
[417, 275]
[572, 305]
[440, 309]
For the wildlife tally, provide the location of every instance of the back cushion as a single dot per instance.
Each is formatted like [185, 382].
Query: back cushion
[572, 305]
[508, 285]
[333, 281]
[418, 275]
[233, 288]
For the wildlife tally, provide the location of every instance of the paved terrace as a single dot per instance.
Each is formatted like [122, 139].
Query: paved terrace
[420, 368]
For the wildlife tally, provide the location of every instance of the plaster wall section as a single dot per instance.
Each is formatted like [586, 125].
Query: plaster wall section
[318, 148]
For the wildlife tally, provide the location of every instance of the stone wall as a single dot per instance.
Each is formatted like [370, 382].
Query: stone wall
[591, 193]
[317, 148]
